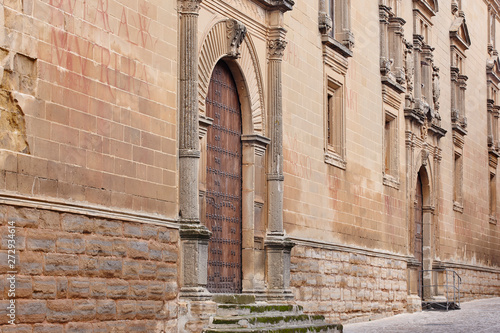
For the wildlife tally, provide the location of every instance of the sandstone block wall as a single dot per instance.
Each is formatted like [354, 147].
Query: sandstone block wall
[478, 284]
[78, 273]
[87, 93]
[347, 287]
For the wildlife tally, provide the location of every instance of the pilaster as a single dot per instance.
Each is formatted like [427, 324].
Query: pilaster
[277, 246]
[194, 236]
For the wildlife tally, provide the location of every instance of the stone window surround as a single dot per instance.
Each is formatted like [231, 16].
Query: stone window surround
[390, 150]
[335, 114]
[391, 45]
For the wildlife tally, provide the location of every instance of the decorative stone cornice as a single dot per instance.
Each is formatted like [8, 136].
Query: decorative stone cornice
[281, 5]
[459, 34]
[429, 7]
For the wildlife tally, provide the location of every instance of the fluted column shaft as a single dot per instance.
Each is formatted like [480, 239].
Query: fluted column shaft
[194, 236]
[278, 247]
[189, 153]
[275, 177]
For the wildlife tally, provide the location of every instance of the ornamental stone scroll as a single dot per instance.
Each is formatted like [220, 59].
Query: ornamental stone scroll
[236, 32]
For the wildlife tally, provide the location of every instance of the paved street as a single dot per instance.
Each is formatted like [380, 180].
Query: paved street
[478, 316]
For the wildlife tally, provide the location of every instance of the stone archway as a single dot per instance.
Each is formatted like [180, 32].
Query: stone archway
[425, 212]
[239, 54]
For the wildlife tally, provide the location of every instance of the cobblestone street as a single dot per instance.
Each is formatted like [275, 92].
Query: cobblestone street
[479, 316]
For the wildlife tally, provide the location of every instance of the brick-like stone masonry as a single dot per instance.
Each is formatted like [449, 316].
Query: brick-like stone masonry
[347, 287]
[84, 274]
[478, 284]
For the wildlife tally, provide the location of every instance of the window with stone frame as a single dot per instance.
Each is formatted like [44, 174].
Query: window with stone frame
[458, 181]
[390, 146]
[425, 91]
[335, 124]
[335, 25]
[493, 108]
[492, 18]
[493, 195]
[459, 43]
[391, 44]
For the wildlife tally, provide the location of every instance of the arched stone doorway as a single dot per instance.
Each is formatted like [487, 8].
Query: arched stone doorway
[224, 182]
[421, 235]
[243, 65]
[418, 245]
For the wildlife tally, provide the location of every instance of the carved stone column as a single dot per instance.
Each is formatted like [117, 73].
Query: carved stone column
[417, 58]
[385, 61]
[277, 245]
[194, 236]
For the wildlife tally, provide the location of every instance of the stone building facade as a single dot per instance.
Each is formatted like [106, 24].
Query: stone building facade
[332, 154]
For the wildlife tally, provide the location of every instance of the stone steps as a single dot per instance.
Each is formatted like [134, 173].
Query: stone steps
[325, 328]
[268, 318]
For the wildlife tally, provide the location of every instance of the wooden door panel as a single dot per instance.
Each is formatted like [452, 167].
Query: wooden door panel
[223, 197]
[418, 231]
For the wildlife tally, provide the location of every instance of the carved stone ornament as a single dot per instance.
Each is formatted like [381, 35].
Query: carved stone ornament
[325, 23]
[436, 90]
[424, 131]
[189, 6]
[425, 157]
[276, 48]
[236, 32]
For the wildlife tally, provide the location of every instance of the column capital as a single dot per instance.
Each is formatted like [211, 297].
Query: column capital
[189, 6]
[276, 48]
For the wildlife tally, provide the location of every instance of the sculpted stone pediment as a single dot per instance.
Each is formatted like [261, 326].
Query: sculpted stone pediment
[459, 33]
[493, 69]
[431, 7]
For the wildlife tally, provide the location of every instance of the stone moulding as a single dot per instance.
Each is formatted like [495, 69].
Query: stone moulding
[300, 241]
[282, 5]
[86, 209]
[218, 43]
[452, 264]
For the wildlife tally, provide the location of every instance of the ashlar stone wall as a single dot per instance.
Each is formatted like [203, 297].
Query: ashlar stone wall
[347, 287]
[79, 273]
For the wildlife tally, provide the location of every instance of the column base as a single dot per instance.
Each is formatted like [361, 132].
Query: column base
[195, 293]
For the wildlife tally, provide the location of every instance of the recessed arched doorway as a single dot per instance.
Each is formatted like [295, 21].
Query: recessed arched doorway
[224, 183]
[418, 235]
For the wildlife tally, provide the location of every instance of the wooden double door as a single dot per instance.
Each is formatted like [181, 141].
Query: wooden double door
[224, 182]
